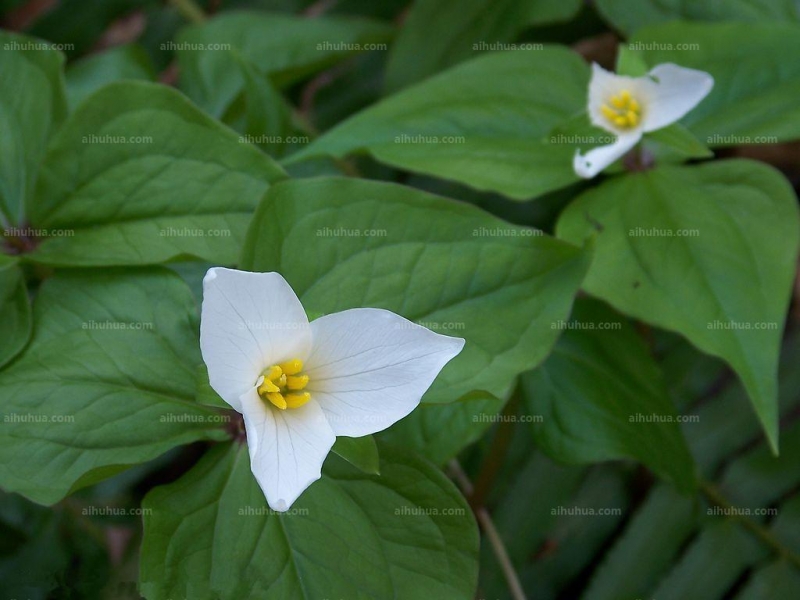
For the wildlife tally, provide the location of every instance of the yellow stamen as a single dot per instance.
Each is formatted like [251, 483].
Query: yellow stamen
[292, 367]
[267, 387]
[282, 383]
[297, 399]
[297, 382]
[622, 110]
[278, 400]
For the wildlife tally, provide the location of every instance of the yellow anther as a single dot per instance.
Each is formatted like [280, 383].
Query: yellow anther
[292, 367]
[267, 387]
[624, 111]
[278, 400]
[296, 382]
[608, 113]
[273, 373]
[281, 384]
[297, 399]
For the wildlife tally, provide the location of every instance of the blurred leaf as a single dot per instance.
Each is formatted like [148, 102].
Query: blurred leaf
[423, 47]
[405, 534]
[754, 99]
[86, 76]
[78, 24]
[721, 226]
[286, 48]
[629, 18]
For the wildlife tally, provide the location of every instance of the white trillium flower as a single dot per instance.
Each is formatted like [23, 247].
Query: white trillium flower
[632, 106]
[297, 384]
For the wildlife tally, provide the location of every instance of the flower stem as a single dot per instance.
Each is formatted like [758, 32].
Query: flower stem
[497, 451]
[765, 535]
[190, 10]
[486, 523]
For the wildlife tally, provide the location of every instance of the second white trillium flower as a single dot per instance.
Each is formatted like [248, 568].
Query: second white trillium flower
[297, 384]
[632, 106]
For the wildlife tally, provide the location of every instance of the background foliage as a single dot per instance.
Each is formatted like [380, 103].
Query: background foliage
[623, 422]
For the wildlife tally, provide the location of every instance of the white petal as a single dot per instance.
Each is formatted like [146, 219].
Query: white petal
[590, 164]
[603, 85]
[249, 321]
[675, 91]
[370, 367]
[287, 447]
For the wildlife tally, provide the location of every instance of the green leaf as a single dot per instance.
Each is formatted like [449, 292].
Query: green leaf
[361, 452]
[285, 47]
[346, 243]
[629, 18]
[28, 116]
[707, 251]
[263, 115]
[423, 47]
[754, 99]
[407, 534]
[458, 126]
[630, 62]
[15, 326]
[138, 175]
[108, 381]
[678, 141]
[87, 75]
[440, 431]
[777, 580]
[601, 396]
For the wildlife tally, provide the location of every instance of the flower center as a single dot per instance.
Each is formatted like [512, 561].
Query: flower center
[282, 385]
[622, 110]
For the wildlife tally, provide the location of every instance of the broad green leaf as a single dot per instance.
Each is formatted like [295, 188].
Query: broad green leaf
[285, 47]
[138, 175]
[108, 381]
[31, 108]
[779, 579]
[601, 396]
[93, 72]
[346, 243]
[707, 251]
[405, 534]
[628, 18]
[361, 452]
[756, 86]
[423, 47]
[15, 325]
[483, 123]
[440, 431]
